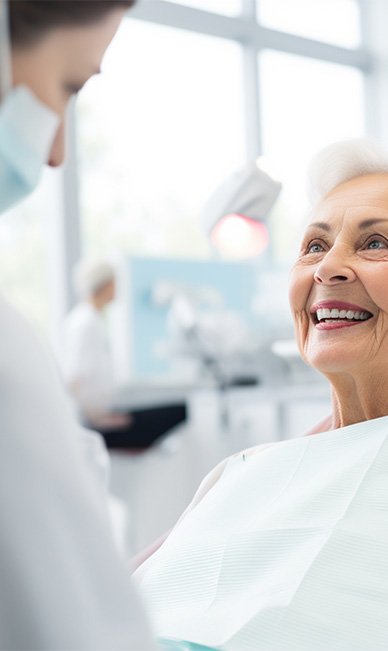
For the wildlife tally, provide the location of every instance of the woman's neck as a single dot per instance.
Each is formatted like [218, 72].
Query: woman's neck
[358, 397]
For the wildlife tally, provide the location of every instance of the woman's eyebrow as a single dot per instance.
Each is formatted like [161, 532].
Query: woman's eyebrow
[324, 226]
[367, 223]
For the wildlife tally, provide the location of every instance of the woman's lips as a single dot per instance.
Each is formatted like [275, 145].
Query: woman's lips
[333, 315]
[334, 325]
[339, 305]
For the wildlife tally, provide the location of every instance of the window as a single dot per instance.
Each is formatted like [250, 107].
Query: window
[160, 129]
[226, 7]
[306, 104]
[168, 119]
[165, 124]
[332, 21]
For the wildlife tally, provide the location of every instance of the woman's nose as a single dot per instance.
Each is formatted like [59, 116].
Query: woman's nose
[57, 152]
[334, 268]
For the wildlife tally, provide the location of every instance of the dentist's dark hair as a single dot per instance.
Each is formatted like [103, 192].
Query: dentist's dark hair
[30, 20]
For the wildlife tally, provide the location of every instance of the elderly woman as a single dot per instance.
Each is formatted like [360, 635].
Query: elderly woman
[284, 547]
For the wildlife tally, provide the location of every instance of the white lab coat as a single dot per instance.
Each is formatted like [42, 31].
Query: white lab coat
[62, 584]
[86, 358]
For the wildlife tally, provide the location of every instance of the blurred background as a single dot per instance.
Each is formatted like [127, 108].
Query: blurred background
[191, 91]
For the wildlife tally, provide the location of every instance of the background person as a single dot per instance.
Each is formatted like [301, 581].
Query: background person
[62, 583]
[88, 367]
[87, 362]
[284, 545]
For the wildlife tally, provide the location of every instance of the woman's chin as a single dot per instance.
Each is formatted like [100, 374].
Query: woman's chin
[332, 358]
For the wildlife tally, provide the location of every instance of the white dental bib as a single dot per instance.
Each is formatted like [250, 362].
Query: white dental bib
[287, 552]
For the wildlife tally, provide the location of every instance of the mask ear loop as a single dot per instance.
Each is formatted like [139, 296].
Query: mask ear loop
[5, 51]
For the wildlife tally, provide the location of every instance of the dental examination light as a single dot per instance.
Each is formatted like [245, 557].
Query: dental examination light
[234, 216]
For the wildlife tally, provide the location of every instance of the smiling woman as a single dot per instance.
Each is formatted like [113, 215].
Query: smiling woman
[284, 546]
[338, 284]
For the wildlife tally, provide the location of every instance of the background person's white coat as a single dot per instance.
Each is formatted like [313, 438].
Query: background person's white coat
[86, 358]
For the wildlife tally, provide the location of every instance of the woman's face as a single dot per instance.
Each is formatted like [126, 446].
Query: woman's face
[339, 283]
[59, 64]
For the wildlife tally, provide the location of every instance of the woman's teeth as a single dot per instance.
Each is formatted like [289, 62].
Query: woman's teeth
[351, 315]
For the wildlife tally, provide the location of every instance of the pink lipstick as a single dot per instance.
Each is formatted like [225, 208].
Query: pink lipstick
[331, 314]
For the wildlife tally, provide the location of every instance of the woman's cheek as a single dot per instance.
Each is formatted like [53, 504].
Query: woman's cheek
[374, 278]
[298, 291]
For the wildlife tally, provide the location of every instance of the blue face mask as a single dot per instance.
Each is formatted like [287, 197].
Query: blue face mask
[27, 130]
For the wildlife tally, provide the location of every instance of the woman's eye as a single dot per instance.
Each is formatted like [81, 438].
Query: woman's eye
[376, 244]
[314, 247]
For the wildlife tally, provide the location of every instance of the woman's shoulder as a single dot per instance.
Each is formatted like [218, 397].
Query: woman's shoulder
[207, 484]
[213, 477]
[254, 450]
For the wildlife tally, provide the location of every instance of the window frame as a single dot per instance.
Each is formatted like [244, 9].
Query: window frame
[253, 37]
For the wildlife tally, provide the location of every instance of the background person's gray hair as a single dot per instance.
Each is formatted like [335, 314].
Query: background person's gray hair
[341, 162]
[90, 275]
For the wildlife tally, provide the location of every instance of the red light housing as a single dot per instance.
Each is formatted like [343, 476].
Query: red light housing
[238, 236]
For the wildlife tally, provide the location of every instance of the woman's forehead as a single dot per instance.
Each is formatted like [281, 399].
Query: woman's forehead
[361, 196]
[368, 186]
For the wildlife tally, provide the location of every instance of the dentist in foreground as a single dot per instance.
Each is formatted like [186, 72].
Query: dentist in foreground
[62, 583]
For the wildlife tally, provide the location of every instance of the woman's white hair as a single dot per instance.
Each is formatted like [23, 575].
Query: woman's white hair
[341, 162]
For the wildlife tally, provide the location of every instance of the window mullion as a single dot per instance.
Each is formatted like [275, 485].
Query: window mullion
[252, 102]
